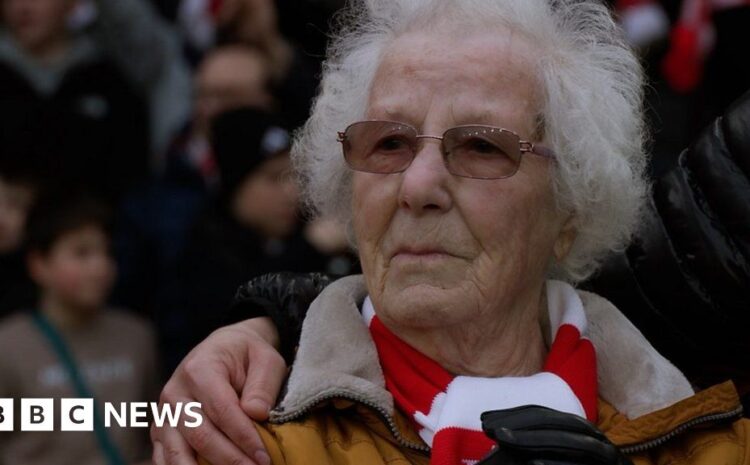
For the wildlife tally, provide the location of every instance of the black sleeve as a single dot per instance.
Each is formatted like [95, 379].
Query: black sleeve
[684, 280]
[284, 297]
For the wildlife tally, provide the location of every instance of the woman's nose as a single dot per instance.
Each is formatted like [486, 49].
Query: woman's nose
[424, 184]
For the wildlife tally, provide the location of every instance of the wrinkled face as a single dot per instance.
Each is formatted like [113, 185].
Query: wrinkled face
[267, 200]
[15, 200]
[78, 269]
[34, 23]
[436, 249]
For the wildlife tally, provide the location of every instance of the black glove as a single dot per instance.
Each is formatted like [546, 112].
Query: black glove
[534, 435]
[284, 297]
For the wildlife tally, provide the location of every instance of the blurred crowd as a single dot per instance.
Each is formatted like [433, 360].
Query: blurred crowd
[145, 174]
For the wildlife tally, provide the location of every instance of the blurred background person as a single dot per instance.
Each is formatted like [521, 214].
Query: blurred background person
[109, 65]
[230, 76]
[255, 23]
[252, 226]
[155, 219]
[70, 344]
[57, 87]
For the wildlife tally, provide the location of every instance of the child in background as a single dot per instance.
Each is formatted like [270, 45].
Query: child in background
[71, 345]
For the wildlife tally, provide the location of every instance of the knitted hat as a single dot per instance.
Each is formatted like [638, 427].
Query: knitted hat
[242, 140]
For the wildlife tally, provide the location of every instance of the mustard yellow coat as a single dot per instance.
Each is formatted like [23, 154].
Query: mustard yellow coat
[702, 430]
[335, 408]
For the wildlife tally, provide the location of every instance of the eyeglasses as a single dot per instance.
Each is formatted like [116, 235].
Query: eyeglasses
[480, 152]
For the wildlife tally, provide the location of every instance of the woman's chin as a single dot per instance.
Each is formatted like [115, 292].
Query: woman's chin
[426, 270]
[420, 302]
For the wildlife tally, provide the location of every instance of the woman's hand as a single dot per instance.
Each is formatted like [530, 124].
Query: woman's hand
[235, 374]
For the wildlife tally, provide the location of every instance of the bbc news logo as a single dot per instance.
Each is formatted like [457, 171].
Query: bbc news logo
[78, 414]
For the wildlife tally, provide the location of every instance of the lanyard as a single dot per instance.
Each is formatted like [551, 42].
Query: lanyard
[108, 448]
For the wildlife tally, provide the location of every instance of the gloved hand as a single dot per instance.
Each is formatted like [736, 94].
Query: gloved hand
[534, 435]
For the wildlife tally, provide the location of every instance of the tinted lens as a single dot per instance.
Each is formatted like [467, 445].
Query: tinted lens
[482, 152]
[379, 146]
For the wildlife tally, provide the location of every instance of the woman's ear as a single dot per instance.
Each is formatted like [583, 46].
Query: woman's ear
[565, 239]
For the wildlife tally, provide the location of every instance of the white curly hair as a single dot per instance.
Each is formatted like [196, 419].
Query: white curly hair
[591, 115]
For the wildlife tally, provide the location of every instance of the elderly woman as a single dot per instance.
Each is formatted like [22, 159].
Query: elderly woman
[492, 155]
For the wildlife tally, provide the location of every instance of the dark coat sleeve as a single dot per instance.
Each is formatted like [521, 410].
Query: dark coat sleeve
[685, 280]
[284, 297]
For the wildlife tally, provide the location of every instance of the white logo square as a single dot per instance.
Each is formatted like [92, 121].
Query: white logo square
[6, 414]
[76, 414]
[37, 415]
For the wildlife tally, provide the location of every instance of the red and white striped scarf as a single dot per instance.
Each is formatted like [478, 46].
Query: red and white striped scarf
[446, 408]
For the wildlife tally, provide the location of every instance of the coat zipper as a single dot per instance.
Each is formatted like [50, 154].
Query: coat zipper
[385, 416]
[634, 449]
[713, 417]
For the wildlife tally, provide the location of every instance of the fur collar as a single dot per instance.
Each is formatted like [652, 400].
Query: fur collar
[337, 357]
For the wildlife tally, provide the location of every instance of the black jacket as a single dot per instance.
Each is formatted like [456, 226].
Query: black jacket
[220, 255]
[91, 131]
[685, 280]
